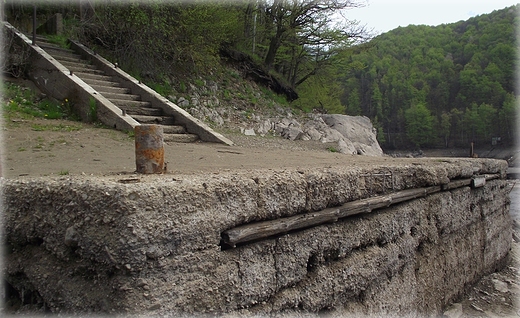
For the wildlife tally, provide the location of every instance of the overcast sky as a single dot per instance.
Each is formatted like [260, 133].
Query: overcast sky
[386, 15]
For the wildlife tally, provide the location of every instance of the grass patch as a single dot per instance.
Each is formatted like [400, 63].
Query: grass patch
[64, 172]
[59, 127]
[332, 149]
[163, 89]
[198, 82]
[92, 110]
[270, 95]
[21, 102]
[60, 40]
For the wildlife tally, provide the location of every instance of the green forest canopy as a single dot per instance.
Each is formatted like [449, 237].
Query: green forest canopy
[459, 77]
[421, 86]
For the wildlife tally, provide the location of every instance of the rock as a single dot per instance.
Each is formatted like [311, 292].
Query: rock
[140, 282]
[500, 286]
[292, 133]
[454, 311]
[182, 102]
[265, 127]
[357, 129]
[249, 132]
[207, 114]
[288, 128]
[153, 253]
[477, 308]
[330, 135]
[346, 147]
[212, 86]
[71, 237]
[313, 133]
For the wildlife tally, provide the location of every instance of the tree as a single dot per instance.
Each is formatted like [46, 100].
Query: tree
[445, 125]
[508, 117]
[419, 125]
[306, 19]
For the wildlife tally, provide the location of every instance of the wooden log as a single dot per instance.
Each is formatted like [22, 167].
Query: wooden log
[259, 230]
[456, 184]
[491, 176]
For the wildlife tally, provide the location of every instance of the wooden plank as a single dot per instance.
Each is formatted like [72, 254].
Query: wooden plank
[259, 230]
[456, 184]
[492, 176]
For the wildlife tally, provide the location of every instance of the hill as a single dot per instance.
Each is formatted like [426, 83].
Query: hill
[447, 85]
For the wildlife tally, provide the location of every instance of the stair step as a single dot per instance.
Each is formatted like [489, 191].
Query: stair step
[105, 84]
[62, 55]
[78, 65]
[39, 37]
[125, 97]
[186, 138]
[106, 89]
[173, 129]
[54, 47]
[146, 111]
[72, 59]
[162, 120]
[87, 71]
[130, 103]
[92, 76]
[76, 69]
[43, 41]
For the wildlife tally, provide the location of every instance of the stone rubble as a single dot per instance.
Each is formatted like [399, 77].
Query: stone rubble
[350, 134]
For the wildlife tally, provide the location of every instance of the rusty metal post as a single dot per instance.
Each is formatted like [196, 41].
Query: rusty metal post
[149, 149]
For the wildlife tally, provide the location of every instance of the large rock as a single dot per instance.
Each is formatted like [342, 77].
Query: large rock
[289, 129]
[353, 134]
[358, 130]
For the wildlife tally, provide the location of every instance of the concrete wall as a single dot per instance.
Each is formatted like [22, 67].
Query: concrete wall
[151, 245]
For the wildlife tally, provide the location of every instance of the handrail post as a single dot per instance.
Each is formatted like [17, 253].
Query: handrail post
[34, 26]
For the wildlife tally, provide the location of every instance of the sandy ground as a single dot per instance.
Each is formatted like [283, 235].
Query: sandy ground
[42, 147]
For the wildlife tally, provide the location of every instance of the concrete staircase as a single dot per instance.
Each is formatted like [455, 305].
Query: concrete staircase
[98, 88]
[116, 92]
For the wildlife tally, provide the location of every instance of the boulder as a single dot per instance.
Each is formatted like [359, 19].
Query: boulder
[265, 127]
[357, 129]
[346, 147]
[249, 132]
[292, 133]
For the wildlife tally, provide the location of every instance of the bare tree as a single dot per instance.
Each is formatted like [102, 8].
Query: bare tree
[306, 22]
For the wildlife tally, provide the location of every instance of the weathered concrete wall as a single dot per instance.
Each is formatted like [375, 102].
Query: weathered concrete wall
[152, 247]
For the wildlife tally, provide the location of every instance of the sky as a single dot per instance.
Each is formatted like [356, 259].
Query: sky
[386, 15]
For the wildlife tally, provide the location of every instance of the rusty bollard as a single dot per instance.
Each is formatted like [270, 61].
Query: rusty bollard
[149, 149]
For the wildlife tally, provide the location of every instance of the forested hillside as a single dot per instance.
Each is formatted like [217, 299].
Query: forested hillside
[421, 86]
[447, 85]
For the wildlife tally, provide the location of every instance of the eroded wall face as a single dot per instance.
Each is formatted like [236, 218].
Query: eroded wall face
[153, 247]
